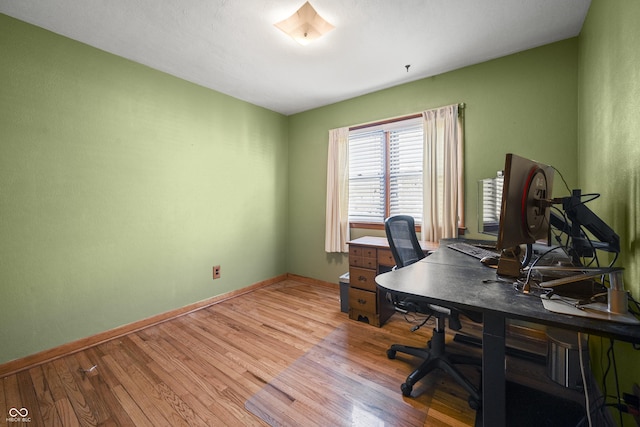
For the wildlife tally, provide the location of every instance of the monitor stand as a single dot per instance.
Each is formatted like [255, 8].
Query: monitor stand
[512, 260]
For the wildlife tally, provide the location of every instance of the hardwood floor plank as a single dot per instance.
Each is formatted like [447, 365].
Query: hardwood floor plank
[170, 395]
[182, 408]
[4, 409]
[64, 408]
[191, 396]
[67, 413]
[133, 411]
[46, 405]
[200, 371]
[74, 394]
[11, 392]
[116, 413]
[172, 361]
[200, 366]
[206, 374]
[251, 342]
[140, 391]
[28, 397]
[95, 405]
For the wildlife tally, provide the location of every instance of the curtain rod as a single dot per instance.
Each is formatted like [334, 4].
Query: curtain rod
[461, 106]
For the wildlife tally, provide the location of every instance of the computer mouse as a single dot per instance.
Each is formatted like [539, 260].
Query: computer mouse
[491, 261]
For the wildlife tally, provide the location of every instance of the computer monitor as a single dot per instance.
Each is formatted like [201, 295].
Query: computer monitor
[526, 197]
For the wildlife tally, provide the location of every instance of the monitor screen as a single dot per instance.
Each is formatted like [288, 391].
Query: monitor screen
[526, 193]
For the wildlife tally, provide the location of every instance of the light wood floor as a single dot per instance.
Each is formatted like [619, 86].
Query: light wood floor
[201, 368]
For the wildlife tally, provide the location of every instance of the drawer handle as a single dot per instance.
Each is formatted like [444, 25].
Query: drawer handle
[362, 279]
[362, 301]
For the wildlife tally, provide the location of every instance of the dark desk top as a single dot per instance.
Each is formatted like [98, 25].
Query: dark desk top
[451, 278]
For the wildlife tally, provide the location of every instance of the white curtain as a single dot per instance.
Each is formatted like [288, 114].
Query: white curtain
[337, 215]
[442, 173]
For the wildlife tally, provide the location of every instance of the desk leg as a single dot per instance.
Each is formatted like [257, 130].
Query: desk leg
[493, 376]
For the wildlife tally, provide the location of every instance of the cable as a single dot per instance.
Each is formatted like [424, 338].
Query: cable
[410, 312]
[533, 264]
[593, 249]
[615, 373]
[615, 258]
[593, 196]
[416, 327]
[562, 177]
[634, 308]
[611, 361]
[584, 378]
[560, 233]
[606, 371]
[410, 317]
[600, 407]
[597, 407]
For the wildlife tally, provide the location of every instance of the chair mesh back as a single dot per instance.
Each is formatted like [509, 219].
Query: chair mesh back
[403, 241]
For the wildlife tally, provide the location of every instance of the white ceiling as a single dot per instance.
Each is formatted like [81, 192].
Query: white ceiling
[231, 46]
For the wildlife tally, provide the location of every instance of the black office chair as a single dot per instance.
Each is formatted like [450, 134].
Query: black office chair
[406, 250]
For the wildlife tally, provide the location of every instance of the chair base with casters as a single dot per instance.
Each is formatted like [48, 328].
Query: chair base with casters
[406, 250]
[435, 357]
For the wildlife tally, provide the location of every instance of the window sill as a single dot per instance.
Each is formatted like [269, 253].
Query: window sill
[378, 226]
[373, 226]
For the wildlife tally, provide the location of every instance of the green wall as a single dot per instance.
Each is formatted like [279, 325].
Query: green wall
[524, 103]
[121, 187]
[609, 146]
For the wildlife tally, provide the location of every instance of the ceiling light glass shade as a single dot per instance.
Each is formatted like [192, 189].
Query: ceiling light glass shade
[305, 25]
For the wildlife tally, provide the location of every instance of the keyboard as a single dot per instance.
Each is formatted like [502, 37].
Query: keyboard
[472, 250]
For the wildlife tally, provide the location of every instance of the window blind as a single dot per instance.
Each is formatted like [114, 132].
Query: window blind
[366, 176]
[405, 172]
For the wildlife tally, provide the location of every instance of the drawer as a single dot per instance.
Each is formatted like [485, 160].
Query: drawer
[385, 257]
[355, 251]
[362, 278]
[362, 301]
[365, 316]
[369, 252]
[364, 262]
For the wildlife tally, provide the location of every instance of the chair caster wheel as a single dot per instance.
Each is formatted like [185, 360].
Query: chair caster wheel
[474, 403]
[391, 354]
[406, 389]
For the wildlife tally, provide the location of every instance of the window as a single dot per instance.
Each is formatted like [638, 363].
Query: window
[385, 171]
[489, 204]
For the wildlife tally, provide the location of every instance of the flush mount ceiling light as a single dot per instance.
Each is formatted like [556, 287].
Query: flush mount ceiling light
[305, 25]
